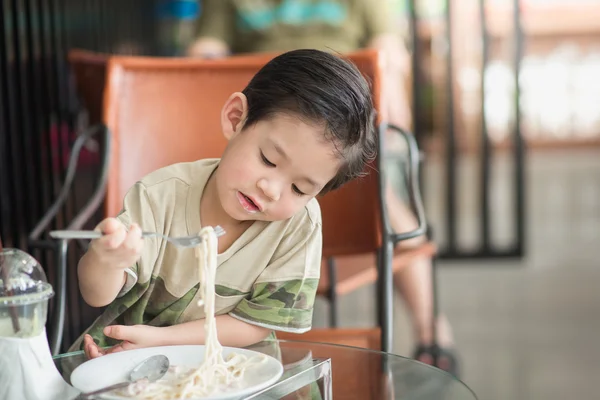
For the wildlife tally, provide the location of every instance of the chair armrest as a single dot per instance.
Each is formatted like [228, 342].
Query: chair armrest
[92, 204]
[414, 158]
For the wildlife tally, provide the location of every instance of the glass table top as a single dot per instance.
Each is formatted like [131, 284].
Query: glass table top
[325, 371]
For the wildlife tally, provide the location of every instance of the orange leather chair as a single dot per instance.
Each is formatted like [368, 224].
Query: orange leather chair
[161, 111]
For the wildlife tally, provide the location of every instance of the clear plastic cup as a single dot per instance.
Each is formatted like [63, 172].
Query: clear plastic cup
[24, 294]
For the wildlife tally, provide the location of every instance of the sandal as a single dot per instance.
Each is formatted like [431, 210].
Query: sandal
[444, 359]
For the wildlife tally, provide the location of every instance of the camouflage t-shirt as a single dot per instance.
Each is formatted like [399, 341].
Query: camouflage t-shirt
[267, 277]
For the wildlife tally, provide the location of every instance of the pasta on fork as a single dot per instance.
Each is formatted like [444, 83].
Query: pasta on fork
[216, 375]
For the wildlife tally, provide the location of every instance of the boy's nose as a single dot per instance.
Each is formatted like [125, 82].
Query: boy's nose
[270, 189]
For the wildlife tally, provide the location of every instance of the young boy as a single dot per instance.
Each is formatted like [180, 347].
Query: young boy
[302, 127]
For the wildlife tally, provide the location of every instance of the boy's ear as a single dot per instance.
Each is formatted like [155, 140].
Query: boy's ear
[234, 114]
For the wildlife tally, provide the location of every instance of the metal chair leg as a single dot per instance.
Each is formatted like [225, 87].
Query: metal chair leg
[58, 322]
[386, 294]
[434, 292]
[332, 295]
[435, 300]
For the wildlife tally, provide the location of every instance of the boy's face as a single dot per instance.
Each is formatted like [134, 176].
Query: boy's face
[270, 170]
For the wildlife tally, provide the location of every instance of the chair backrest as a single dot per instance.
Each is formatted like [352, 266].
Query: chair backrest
[89, 70]
[162, 111]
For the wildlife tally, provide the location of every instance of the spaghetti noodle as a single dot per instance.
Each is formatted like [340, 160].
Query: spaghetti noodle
[216, 375]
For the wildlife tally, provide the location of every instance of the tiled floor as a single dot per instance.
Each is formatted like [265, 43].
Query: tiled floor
[525, 329]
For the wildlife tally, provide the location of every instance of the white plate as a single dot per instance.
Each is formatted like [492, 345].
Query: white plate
[114, 368]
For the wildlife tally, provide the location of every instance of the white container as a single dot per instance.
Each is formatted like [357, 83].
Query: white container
[27, 371]
[24, 294]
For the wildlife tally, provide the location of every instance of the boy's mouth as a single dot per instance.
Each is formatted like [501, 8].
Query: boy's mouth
[247, 203]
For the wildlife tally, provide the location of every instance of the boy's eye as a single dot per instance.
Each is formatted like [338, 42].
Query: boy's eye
[265, 160]
[298, 191]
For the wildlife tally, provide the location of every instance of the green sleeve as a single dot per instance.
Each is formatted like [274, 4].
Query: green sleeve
[286, 306]
[217, 20]
[283, 296]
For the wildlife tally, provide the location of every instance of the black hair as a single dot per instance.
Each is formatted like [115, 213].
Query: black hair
[321, 88]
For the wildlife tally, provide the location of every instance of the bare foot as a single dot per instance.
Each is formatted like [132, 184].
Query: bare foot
[445, 338]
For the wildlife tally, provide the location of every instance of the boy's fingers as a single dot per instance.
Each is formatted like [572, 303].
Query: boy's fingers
[114, 234]
[87, 342]
[114, 240]
[92, 351]
[140, 247]
[133, 238]
[87, 339]
[125, 345]
[90, 348]
[108, 225]
[121, 332]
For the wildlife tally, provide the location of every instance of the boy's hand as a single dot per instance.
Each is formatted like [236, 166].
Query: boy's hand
[117, 247]
[133, 337]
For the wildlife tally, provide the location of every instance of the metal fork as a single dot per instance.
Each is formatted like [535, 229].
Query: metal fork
[181, 241]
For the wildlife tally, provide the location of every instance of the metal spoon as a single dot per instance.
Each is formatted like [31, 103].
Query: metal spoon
[152, 369]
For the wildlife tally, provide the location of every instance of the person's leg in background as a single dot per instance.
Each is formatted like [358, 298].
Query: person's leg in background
[414, 282]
